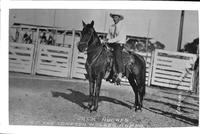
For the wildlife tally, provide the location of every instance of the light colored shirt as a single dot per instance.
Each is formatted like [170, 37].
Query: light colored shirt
[118, 35]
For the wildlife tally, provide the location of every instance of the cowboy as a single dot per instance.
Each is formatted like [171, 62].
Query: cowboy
[115, 39]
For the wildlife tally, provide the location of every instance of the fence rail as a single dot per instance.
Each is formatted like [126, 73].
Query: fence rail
[20, 57]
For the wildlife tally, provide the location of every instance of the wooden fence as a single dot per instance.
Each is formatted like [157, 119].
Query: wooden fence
[64, 60]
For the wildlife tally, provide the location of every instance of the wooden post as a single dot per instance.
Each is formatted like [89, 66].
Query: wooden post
[35, 54]
[63, 44]
[180, 31]
[151, 68]
[154, 59]
[73, 54]
[194, 78]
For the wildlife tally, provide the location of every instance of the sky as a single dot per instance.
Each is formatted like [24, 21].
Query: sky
[162, 25]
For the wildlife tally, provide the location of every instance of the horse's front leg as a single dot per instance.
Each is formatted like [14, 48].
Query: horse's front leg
[97, 92]
[91, 93]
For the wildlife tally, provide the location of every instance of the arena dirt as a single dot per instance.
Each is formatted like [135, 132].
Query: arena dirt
[54, 102]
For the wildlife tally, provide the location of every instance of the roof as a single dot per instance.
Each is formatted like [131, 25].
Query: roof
[138, 37]
[34, 26]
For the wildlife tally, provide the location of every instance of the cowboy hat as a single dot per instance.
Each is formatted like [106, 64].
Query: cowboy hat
[120, 16]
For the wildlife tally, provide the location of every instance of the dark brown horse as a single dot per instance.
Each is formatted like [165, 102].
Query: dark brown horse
[97, 65]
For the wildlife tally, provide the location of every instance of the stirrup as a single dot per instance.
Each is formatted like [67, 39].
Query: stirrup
[107, 75]
[118, 81]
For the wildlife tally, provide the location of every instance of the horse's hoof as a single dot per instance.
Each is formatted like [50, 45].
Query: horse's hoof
[89, 106]
[138, 108]
[94, 109]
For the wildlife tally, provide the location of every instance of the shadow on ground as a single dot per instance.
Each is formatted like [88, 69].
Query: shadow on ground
[80, 98]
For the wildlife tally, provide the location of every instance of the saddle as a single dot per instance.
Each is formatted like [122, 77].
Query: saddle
[128, 62]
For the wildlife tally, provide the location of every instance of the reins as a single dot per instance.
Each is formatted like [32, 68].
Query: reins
[90, 64]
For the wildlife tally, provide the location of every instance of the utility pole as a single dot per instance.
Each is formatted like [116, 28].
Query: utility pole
[180, 31]
[54, 18]
[105, 23]
[147, 39]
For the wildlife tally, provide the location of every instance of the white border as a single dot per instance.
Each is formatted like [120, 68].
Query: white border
[6, 5]
[154, 5]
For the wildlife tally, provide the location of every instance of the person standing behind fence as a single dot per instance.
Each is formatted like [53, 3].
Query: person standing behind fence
[196, 74]
[43, 38]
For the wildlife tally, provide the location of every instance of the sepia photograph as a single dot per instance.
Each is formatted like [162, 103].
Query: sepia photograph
[107, 68]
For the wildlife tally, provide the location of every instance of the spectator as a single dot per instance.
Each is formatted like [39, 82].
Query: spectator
[43, 38]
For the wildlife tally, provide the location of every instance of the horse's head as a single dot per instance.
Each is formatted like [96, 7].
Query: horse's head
[86, 36]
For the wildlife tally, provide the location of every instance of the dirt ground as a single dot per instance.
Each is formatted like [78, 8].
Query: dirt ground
[40, 100]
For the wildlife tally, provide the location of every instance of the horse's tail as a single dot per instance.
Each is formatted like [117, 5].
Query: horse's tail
[143, 71]
[144, 81]
[144, 75]
[144, 90]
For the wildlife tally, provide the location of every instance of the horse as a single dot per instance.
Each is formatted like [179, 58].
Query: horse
[99, 59]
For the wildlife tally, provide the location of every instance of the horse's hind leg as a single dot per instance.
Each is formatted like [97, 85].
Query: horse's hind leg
[135, 89]
[140, 98]
[141, 95]
[141, 80]
[141, 90]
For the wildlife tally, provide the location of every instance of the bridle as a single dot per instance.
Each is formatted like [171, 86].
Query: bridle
[87, 42]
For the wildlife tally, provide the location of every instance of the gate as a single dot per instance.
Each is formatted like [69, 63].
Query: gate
[166, 72]
[54, 60]
[78, 64]
[20, 57]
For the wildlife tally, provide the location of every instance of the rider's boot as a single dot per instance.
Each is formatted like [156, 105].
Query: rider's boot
[119, 78]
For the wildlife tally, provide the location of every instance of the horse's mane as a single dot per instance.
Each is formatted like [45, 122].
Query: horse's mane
[96, 44]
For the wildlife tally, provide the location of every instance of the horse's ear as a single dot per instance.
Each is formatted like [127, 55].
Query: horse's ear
[83, 23]
[92, 23]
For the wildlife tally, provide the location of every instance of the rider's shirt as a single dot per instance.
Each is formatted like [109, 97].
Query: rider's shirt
[116, 33]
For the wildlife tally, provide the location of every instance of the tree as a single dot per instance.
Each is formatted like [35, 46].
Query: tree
[140, 45]
[191, 47]
[159, 45]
